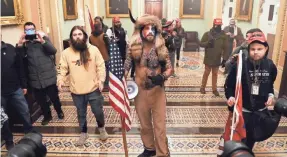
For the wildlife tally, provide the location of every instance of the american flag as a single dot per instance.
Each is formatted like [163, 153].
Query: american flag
[235, 129]
[117, 85]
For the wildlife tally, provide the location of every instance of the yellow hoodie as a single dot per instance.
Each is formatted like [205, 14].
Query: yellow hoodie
[82, 81]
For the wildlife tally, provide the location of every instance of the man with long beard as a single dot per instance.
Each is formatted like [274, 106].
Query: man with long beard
[153, 67]
[117, 32]
[87, 75]
[99, 39]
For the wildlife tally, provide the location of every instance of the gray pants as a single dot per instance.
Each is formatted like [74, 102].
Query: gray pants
[96, 101]
[172, 57]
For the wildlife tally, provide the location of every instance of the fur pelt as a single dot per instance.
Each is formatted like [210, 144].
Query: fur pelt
[136, 42]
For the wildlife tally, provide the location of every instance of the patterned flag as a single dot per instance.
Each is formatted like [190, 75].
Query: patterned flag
[117, 85]
[235, 129]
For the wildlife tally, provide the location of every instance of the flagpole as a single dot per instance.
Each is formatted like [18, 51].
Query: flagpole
[124, 136]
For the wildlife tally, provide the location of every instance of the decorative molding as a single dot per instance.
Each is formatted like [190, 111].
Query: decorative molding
[260, 11]
[65, 10]
[223, 5]
[192, 16]
[40, 16]
[18, 18]
[58, 24]
[282, 34]
[261, 7]
[108, 14]
[238, 11]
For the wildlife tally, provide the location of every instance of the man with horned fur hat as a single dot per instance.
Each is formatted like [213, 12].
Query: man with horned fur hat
[152, 67]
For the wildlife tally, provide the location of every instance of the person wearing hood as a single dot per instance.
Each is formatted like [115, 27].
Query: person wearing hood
[243, 47]
[153, 68]
[216, 44]
[258, 76]
[104, 27]
[101, 40]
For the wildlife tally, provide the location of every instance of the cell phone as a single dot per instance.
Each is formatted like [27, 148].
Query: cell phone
[30, 34]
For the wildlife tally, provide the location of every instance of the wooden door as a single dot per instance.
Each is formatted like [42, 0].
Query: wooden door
[153, 7]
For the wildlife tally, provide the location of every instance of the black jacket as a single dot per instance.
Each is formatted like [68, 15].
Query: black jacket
[122, 44]
[267, 75]
[40, 64]
[169, 43]
[12, 70]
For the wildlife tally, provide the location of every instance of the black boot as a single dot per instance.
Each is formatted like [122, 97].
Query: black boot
[46, 120]
[61, 115]
[148, 153]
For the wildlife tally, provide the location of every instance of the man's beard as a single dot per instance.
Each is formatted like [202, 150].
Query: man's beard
[118, 26]
[149, 38]
[79, 45]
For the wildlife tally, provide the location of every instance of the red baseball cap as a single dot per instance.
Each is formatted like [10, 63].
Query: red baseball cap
[217, 21]
[257, 36]
[116, 19]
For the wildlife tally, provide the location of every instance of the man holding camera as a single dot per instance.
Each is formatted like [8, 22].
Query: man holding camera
[215, 44]
[38, 52]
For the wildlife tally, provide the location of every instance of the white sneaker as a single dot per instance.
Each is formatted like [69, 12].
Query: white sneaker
[103, 134]
[82, 139]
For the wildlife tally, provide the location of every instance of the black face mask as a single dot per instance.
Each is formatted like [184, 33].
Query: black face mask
[217, 28]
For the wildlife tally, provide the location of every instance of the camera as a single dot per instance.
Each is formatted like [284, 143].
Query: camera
[29, 146]
[30, 34]
[236, 149]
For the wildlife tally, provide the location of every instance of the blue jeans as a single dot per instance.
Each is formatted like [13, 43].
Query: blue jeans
[18, 102]
[96, 101]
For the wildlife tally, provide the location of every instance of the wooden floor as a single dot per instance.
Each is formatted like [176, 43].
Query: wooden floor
[194, 122]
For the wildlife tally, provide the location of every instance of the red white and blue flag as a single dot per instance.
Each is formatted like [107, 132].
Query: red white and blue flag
[118, 96]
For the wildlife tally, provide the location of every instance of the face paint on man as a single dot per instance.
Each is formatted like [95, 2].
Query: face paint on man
[148, 32]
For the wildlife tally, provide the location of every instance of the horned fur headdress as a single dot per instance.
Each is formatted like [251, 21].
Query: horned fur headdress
[136, 40]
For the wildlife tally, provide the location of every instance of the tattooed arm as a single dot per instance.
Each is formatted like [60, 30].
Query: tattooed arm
[128, 63]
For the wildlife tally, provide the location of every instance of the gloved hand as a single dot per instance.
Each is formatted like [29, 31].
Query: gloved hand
[211, 43]
[157, 80]
[223, 63]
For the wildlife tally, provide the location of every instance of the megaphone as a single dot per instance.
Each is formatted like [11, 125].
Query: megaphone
[132, 89]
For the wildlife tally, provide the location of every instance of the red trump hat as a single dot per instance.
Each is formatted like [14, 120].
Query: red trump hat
[257, 36]
[217, 21]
